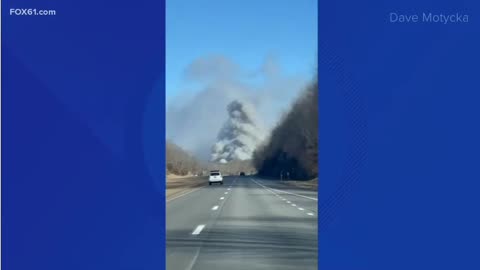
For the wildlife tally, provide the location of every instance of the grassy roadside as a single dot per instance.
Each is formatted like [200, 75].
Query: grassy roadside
[302, 184]
[180, 185]
[309, 184]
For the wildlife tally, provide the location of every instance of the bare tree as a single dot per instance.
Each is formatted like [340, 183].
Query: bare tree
[180, 162]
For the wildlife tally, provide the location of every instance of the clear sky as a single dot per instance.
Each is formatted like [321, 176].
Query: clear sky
[245, 31]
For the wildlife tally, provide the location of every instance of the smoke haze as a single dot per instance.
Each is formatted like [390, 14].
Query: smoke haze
[197, 117]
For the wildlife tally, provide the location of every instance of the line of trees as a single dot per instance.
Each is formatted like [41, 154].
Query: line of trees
[180, 162]
[292, 149]
[234, 167]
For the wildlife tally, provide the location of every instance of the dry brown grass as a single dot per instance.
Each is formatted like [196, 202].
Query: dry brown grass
[311, 184]
[177, 186]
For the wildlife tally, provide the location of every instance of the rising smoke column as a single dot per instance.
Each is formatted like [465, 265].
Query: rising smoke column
[240, 134]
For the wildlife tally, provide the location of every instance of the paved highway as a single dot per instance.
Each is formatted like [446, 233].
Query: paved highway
[246, 223]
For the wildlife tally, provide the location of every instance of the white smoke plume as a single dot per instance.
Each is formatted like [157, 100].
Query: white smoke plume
[240, 134]
[197, 113]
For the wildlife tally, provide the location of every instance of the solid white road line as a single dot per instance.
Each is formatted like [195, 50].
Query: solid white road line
[221, 198]
[198, 230]
[310, 214]
[291, 193]
[215, 207]
[194, 260]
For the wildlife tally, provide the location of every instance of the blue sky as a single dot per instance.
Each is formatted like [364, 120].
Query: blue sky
[245, 31]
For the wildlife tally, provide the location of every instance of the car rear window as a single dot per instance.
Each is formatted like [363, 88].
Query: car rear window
[214, 173]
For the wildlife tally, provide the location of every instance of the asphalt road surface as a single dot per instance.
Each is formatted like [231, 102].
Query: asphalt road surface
[247, 223]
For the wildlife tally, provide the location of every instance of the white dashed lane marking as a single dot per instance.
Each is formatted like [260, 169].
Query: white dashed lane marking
[283, 191]
[283, 199]
[198, 230]
[221, 198]
[215, 207]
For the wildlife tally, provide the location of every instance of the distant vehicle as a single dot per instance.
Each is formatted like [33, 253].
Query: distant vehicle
[215, 177]
[242, 174]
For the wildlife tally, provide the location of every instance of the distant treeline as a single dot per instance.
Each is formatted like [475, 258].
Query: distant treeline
[180, 162]
[292, 149]
[234, 167]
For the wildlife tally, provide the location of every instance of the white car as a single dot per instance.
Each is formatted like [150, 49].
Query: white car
[215, 177]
